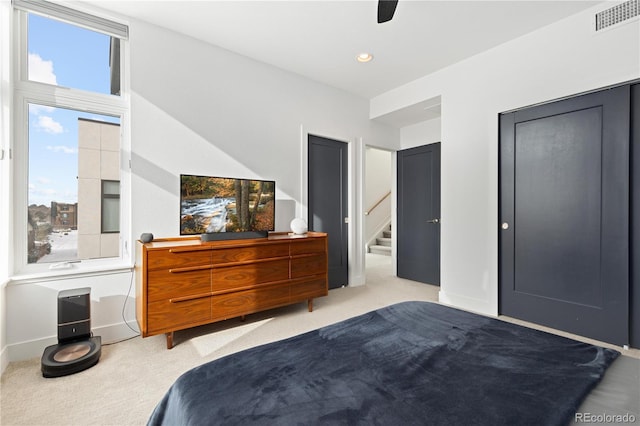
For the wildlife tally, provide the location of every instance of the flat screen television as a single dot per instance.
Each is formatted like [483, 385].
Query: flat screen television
[226, 208]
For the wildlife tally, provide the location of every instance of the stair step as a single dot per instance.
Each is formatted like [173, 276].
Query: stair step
[386, 234]
[378, 249]
[383, 241]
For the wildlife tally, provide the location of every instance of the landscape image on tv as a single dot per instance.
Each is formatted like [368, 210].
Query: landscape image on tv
[219, 204]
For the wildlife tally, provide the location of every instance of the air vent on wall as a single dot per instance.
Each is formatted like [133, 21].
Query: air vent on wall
[617, 14]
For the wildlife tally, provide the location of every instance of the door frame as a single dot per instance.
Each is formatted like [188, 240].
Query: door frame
[354, 197]
[394, 189]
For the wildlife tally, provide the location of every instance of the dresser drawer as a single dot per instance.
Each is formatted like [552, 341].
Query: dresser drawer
[307, 265]
[170, 259]
[309, 289]
[232, 277]
[239, 303]
[240, 254]
[165, 284]
[166, 315]
[316, 245]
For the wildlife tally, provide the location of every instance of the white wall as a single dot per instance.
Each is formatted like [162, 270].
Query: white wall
[423, 133]
[196, 108]
[560, 60]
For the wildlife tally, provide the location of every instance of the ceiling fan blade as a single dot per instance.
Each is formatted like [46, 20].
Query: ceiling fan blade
[386, 9]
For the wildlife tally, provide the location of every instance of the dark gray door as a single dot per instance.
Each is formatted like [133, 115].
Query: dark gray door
[418, 254]
[328, 205]
[564, 213]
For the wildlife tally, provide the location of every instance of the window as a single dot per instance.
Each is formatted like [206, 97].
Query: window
[84, 63]
[69, 110]
[110, 206]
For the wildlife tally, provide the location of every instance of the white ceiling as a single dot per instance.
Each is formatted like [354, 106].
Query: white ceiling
[320, 39]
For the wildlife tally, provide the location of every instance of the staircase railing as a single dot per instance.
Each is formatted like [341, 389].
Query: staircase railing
[377, 203]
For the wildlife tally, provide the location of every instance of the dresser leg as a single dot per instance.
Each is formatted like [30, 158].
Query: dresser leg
[310, 305]
[169, 340]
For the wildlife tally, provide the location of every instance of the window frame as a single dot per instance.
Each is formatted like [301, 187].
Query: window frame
[108, 196]
[27, 92]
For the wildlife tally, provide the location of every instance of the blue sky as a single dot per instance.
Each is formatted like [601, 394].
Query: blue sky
[68, 56]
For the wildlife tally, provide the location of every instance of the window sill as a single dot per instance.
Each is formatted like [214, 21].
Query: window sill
[72, 272]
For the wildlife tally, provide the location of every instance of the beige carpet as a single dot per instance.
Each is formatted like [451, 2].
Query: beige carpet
[132, 376]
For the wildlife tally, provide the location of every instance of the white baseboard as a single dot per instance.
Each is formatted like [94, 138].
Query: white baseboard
[31, 349]
[4, 360]
[466, 303]
[34, 348]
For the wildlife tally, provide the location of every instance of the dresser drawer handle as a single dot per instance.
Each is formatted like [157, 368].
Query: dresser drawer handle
[188, 250]
[303, 255]
[189, 269]
[188, 298]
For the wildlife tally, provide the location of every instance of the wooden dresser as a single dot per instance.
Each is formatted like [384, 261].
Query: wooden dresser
[185, 282]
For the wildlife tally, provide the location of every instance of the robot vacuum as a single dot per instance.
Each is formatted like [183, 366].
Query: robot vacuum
[76, 350]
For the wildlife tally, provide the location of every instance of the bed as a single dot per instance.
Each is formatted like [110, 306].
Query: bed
[412, 363]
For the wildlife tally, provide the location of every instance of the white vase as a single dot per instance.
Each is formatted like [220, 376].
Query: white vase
[298, 226]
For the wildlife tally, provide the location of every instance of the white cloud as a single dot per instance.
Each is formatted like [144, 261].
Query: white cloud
[36, 109]
[49, 125]
[41, 70]
[41, 194]
[70, 196]
[62, 148]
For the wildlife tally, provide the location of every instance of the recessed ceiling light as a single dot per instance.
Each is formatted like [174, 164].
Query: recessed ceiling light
[364, 57]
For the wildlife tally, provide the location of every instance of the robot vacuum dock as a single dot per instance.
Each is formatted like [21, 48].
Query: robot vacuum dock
[76, 350]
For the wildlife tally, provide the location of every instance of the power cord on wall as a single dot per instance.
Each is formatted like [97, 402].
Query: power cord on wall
[124, 306]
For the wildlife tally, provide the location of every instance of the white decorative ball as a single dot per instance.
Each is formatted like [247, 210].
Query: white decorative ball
[298, 226]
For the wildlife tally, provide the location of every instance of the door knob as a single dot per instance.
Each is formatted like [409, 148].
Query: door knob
[505, 225]
[434, 221]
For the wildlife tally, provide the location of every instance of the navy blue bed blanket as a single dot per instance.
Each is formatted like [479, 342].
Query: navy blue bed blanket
[413, 363]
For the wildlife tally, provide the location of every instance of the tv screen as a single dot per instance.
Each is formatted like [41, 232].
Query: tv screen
[211, 205]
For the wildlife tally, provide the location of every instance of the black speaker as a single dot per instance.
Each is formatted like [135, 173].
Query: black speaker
[146, 237]
[76, 350]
